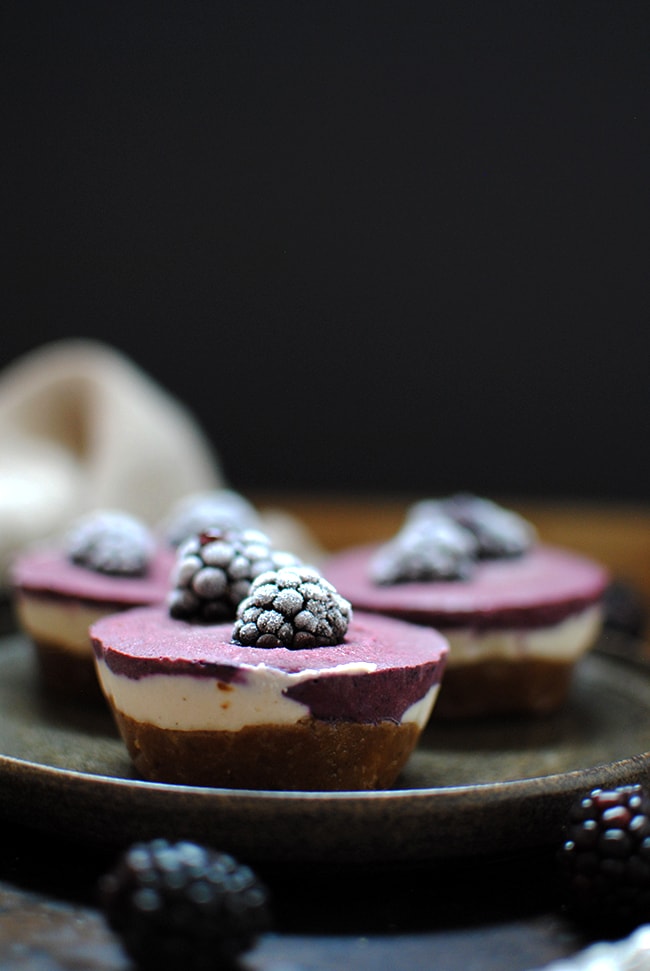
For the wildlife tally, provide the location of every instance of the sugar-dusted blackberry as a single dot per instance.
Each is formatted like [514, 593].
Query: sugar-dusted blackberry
[431, 548]
[110, 541]
[214, 571]
[219, 509]
[605, 859]
[292, 607]
[499, 532]
[183, 906]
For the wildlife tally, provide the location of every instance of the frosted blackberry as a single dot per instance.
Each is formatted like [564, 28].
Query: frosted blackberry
[499, 532]
[293, 607]
[183, 906]
[605, 860]
[433, 548]
[110, 542]
[215, 569]
[219, 509]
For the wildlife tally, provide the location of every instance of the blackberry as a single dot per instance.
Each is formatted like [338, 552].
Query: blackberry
[219, 509]
[215, 569]
[499, 532]
[605, 859]
[431, 548]
[293, 607]
[182, 905]
[110, 541]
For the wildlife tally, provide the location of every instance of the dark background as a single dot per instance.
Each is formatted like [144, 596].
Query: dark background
[376, 247]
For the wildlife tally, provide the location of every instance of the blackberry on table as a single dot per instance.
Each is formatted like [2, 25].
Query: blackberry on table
[180, 905]
[605, 859]
[214, 571]
[110, 541]
[292, 607]
[431, 548]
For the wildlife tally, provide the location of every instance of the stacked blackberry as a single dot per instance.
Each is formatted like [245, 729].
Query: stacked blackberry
[215, 569]
[293, 607]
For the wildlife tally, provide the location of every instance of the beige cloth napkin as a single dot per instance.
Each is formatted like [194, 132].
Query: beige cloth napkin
[83, 427]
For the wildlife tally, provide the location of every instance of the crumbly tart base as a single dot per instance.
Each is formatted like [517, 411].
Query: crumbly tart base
[68, 675]
[310, 755]
[500, 687]
[59, 632]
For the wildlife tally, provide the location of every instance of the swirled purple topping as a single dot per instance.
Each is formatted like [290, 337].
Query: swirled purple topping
[381, 668]
[539, 588]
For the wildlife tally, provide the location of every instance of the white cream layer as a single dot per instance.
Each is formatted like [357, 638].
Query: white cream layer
[564, 642]
[185, 703]
[67, 624]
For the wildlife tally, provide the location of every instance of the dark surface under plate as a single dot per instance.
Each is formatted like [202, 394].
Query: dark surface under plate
[66, 771]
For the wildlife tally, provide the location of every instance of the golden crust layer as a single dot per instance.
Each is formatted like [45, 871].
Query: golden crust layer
[500, 686]
[67, 675]
[310, 755]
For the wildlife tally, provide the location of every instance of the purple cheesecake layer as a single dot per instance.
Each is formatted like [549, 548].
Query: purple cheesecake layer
[408, 660]
[367, 697]
[49, 573]
[540, 588]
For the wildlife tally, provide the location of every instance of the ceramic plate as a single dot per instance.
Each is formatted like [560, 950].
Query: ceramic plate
[475, 788]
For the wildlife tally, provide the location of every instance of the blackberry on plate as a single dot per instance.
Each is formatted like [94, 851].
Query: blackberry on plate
[431, 548]
[180, 905]
[605, 859]
[110, 541]
[214, 571]
[292, 607]
[218, 509]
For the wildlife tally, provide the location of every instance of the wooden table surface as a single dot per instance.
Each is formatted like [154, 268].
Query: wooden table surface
[486, 915]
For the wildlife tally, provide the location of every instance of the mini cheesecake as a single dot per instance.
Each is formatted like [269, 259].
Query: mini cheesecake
[197, 708]
[56, 598]
[516, 624]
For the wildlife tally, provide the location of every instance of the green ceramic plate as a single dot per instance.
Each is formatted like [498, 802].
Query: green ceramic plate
[476, 788]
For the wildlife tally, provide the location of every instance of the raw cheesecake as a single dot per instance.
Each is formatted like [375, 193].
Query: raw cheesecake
[516, 624]
[57, 597]
[197, 708]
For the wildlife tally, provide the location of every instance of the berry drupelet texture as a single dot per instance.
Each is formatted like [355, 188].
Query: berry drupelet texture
[434, 548]
[498, 532]
[443, 539]
[214, 571]
[605, 860]
[293, 607]
[182, 905]
[110, 541]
